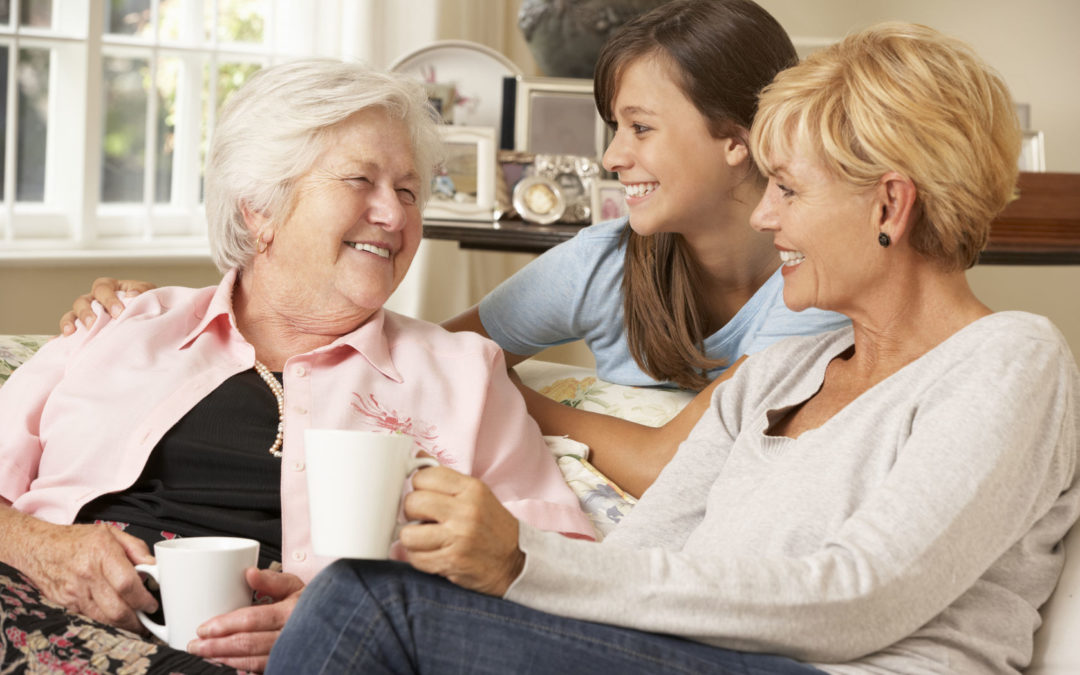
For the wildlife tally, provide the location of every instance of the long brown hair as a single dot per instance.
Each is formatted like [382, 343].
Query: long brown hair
[724, 52]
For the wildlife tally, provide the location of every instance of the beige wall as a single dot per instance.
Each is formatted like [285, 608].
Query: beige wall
[32, 297]
[1031, 43]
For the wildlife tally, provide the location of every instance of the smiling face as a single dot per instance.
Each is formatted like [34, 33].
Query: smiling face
[677, 177]
[825, 231]
[355, 223]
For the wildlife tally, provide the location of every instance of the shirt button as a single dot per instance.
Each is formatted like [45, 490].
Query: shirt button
[300, 410]
[298, 466]
[300, 371]
[299, 556]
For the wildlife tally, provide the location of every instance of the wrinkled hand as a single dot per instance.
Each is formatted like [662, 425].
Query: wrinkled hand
[90, 570]
[242, 639]
[105, 290]
[465, 534]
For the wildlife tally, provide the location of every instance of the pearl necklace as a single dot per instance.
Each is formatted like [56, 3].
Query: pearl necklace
[279, 394]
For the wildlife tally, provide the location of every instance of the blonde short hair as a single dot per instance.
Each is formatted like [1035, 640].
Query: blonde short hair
[906, 98]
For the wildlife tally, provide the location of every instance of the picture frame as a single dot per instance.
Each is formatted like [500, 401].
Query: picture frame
[463, 187]
[1032, 152]
[574, 176]
[553, 115]
[511, 167]
[608, 200]
[538, 199]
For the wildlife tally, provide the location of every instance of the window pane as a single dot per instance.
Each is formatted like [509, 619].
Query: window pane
[241, 20]
[229, 78]
[5, 11]
[124, 148]
[37, 13]
[168, 76]
[33, 80]
[176, 19]
[129, 17]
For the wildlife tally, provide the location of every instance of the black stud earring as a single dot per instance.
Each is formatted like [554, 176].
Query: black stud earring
[884, 240]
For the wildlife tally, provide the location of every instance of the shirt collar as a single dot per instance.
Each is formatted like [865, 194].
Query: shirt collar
[369, 339]
[220, 305]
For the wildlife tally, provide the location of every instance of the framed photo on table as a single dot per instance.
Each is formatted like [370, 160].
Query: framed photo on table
[608, 200]
[463, 187]
[553, 115]
[1032, 152]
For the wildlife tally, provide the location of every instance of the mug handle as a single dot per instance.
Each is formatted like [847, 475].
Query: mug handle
[417, 463]
[159, 630]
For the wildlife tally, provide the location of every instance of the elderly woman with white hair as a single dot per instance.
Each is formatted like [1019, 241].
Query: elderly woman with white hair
[889, 497]
[185, 415]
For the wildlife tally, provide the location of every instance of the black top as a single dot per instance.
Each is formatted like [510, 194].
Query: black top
[211, 475]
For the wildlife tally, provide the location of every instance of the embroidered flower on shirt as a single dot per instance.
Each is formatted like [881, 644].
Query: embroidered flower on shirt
[425, 435]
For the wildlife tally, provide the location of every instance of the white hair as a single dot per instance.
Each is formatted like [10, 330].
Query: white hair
[271, 131]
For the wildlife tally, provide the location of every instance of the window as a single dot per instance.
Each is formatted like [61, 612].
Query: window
[108, 105]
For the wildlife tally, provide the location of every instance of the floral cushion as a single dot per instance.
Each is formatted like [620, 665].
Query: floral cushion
[15, 350]
[603, 501]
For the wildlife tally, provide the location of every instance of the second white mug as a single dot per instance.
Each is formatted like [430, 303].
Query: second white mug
[200, 578]
[355, 482]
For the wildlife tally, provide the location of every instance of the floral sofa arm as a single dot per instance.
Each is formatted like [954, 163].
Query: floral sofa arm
[15, 350]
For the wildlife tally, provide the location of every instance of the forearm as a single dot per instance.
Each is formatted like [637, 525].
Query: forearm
[17, 530]
[630, 454]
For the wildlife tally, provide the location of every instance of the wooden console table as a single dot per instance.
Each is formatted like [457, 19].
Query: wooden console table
[1040, 228]
[511, 236]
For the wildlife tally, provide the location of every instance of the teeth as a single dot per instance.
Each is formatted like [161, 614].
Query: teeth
[381, 252]
[640, 189]
[791, 258]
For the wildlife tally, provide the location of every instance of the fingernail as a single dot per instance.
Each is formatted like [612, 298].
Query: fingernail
[90, 321]
[68, 329]
[115, 310]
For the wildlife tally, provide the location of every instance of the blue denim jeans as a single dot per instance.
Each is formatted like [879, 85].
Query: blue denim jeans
[385, 617]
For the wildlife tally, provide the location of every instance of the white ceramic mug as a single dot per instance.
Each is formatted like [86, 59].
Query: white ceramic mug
[355, 483]
[200, 578]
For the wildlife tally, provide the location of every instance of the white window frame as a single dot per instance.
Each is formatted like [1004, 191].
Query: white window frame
[70, 225]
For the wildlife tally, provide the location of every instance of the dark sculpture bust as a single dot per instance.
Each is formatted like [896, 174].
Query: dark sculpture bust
[565, 36]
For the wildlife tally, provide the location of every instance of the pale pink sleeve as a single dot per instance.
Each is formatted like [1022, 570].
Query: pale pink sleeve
[22, 399]
[514, 461]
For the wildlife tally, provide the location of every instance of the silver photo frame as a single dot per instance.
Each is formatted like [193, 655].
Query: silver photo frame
[557, 116]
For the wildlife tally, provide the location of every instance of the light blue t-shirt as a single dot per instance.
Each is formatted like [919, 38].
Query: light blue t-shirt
[574, 292]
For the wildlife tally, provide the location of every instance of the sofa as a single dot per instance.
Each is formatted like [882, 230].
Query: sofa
[1057, 643]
